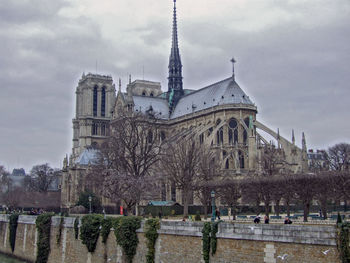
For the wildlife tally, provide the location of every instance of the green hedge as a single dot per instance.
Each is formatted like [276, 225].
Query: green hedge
[76, 227]
[343, 230]
[90, 230]
[206, 241]
[151, 227]
[13, 229]
[125, 232]
[107, 224]
[43, 225]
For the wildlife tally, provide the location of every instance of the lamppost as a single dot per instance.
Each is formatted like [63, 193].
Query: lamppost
[90, 199]
[212, 194]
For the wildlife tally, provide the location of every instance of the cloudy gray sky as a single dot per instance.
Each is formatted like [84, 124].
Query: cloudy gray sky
[293, 60]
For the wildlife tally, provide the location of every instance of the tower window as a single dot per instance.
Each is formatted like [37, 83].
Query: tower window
[95, 102]
[241, 160]
[103, 130]
[94, 129]
[103, 102]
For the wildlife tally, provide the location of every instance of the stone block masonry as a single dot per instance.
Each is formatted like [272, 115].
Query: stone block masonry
[182, 242]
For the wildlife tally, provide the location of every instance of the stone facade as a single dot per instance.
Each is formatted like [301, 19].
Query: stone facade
[181, 242]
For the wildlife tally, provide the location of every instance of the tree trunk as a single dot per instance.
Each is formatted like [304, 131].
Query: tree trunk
[185, 201]
[257, 207]
[234, 212]
[267, 208]
[324, 209]
[306, 210]
[277, 209]
[205, 211]
[288, 208]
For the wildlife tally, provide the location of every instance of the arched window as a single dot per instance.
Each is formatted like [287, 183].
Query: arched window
[241, 159]
[227, 164]
[219, 134]
[201, 138]
[95, 101]
[232, 131]
[94, 129]
[103, 102]
[103, 130]
[143, 93]
[245, 134]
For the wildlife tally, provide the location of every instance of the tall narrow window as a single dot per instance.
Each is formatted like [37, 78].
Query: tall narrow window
[94, 129]
[103, 130]
[232, 131]
[103, 102]
[95, 102]
[201, 138]
[241, 160]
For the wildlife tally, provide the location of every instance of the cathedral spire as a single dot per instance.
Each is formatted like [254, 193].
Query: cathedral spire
[175, 86]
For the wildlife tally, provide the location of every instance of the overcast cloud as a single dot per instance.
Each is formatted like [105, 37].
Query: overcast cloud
[293, 60]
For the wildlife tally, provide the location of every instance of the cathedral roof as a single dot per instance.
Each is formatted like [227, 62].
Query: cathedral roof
[224, 92]
[88, 156]
[158, 106]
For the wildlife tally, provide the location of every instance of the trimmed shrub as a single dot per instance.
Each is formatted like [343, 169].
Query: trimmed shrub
[151, 227]
[107, 224]
[76, 227]
[13, 229]
[125, 232]
[206, 241]
[343, 230]
[43, 225]
[90, 230]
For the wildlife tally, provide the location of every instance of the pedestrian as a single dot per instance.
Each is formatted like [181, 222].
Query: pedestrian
[267, 219]
[257, 219]
[287, 221]
[217, 214]
[320, 213]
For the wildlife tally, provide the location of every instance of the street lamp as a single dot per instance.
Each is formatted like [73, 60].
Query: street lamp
[212, 194]
[90, 199]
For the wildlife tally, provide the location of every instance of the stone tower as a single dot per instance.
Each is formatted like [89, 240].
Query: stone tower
[95, 98]
[175, 86]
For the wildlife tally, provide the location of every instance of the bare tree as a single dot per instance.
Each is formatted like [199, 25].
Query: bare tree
[287, 185]
[325, 190]
[263, 187]
[305, 189]
[181, 165]
[42, 176]
[126, 170]
[207, 174]
[230, 193]
[339, 157]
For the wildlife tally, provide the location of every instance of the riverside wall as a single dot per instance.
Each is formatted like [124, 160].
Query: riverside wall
[182, 242]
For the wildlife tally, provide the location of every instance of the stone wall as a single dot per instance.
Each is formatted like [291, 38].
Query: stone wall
[181, 242]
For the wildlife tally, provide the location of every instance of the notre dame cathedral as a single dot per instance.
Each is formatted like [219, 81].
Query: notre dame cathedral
[220, 114]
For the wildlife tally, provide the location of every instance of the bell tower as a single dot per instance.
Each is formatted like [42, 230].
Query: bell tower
[95, 98]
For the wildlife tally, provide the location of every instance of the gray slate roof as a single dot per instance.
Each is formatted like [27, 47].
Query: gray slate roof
[88, 156]
[224, 92]
[160, 106]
